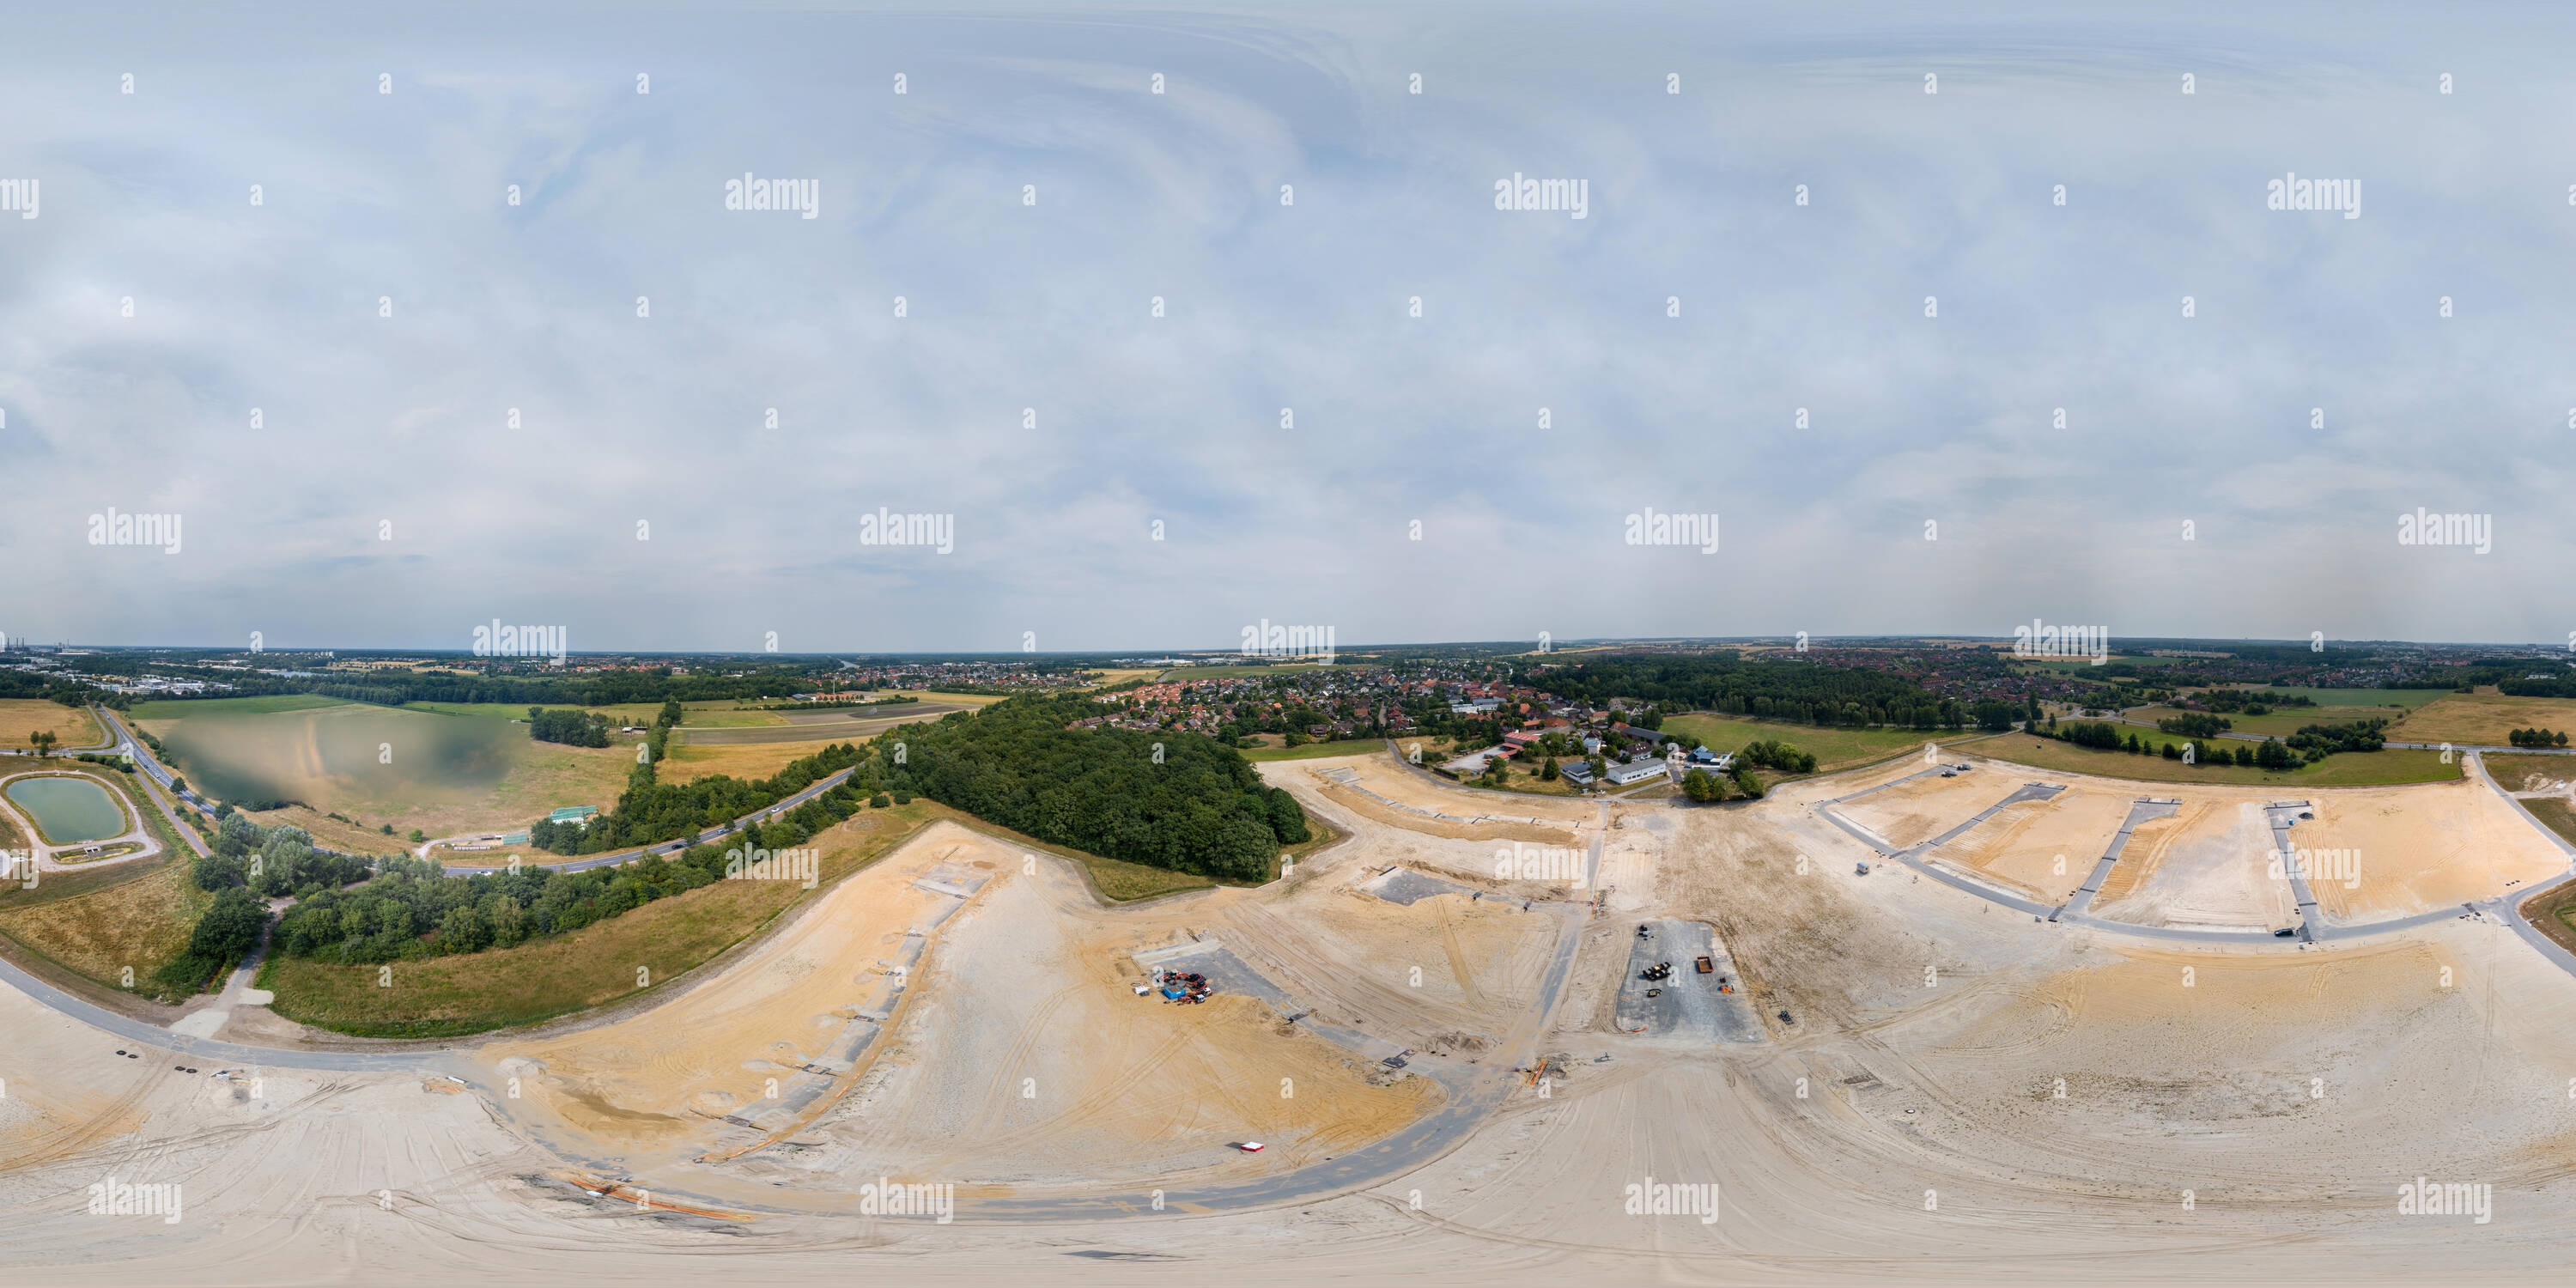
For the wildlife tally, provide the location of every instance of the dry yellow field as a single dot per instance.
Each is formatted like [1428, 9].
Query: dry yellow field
[140, 924]
[2482, 719]
[74, 727]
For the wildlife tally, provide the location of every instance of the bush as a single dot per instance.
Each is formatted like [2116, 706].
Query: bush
[219, 941]
[879, 801]
[903, 798]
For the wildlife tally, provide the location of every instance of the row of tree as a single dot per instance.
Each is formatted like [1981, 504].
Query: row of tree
[2537, 738]
[409, 911]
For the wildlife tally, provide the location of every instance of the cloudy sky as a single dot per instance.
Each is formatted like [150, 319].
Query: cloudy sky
[1286, 420]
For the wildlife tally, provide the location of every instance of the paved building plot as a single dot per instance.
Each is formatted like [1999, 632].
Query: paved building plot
[1687, 1005]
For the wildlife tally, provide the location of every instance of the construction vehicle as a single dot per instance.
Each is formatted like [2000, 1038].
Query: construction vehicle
[1705, 966]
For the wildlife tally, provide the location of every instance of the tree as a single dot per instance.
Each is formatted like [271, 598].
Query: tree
[1547, 770]
[1698, 787]
[44, 742]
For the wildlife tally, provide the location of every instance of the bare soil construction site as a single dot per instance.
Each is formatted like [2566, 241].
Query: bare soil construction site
[1453, 1035]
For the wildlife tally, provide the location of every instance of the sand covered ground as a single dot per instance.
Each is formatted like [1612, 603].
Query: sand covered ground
[2043, 849]
[1910, 813]
[2398, 851]
[1964, 1094]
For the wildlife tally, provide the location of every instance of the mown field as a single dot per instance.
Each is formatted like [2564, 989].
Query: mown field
[596, 965]
[1834, 748]
[2350, 769]
[2483, 719]
[73, 727]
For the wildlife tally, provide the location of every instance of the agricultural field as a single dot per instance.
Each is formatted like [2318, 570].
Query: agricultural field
[123, 920]
[2483, 719]
[73, 727]
[1833, 747]
[2349, 769]
[442, 773]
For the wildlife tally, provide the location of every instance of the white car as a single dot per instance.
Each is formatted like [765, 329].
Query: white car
[1250, 1146]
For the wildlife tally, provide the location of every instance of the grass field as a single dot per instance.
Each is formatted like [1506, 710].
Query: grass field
[2555, 814]
[2529, 773]
[748, 760]
[1111, 677]
[332, 834]
[1314, 750]
[120, 922]
[261, 706]
[1833, 748]
[2406, 698]
[2483, 719]
[596, 965]
[2351, 769]
[73, 726]
[2552, 912]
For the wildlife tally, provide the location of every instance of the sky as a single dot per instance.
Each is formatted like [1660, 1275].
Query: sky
[386, 404]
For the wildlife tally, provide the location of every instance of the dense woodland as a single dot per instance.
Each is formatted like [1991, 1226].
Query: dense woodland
[1805, 692]
[1164, 799]
[571, 728]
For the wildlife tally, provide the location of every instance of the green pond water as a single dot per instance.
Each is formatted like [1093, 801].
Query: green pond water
[69, 810]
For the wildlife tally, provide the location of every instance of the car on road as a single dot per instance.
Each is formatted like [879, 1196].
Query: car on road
[2283, 933]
